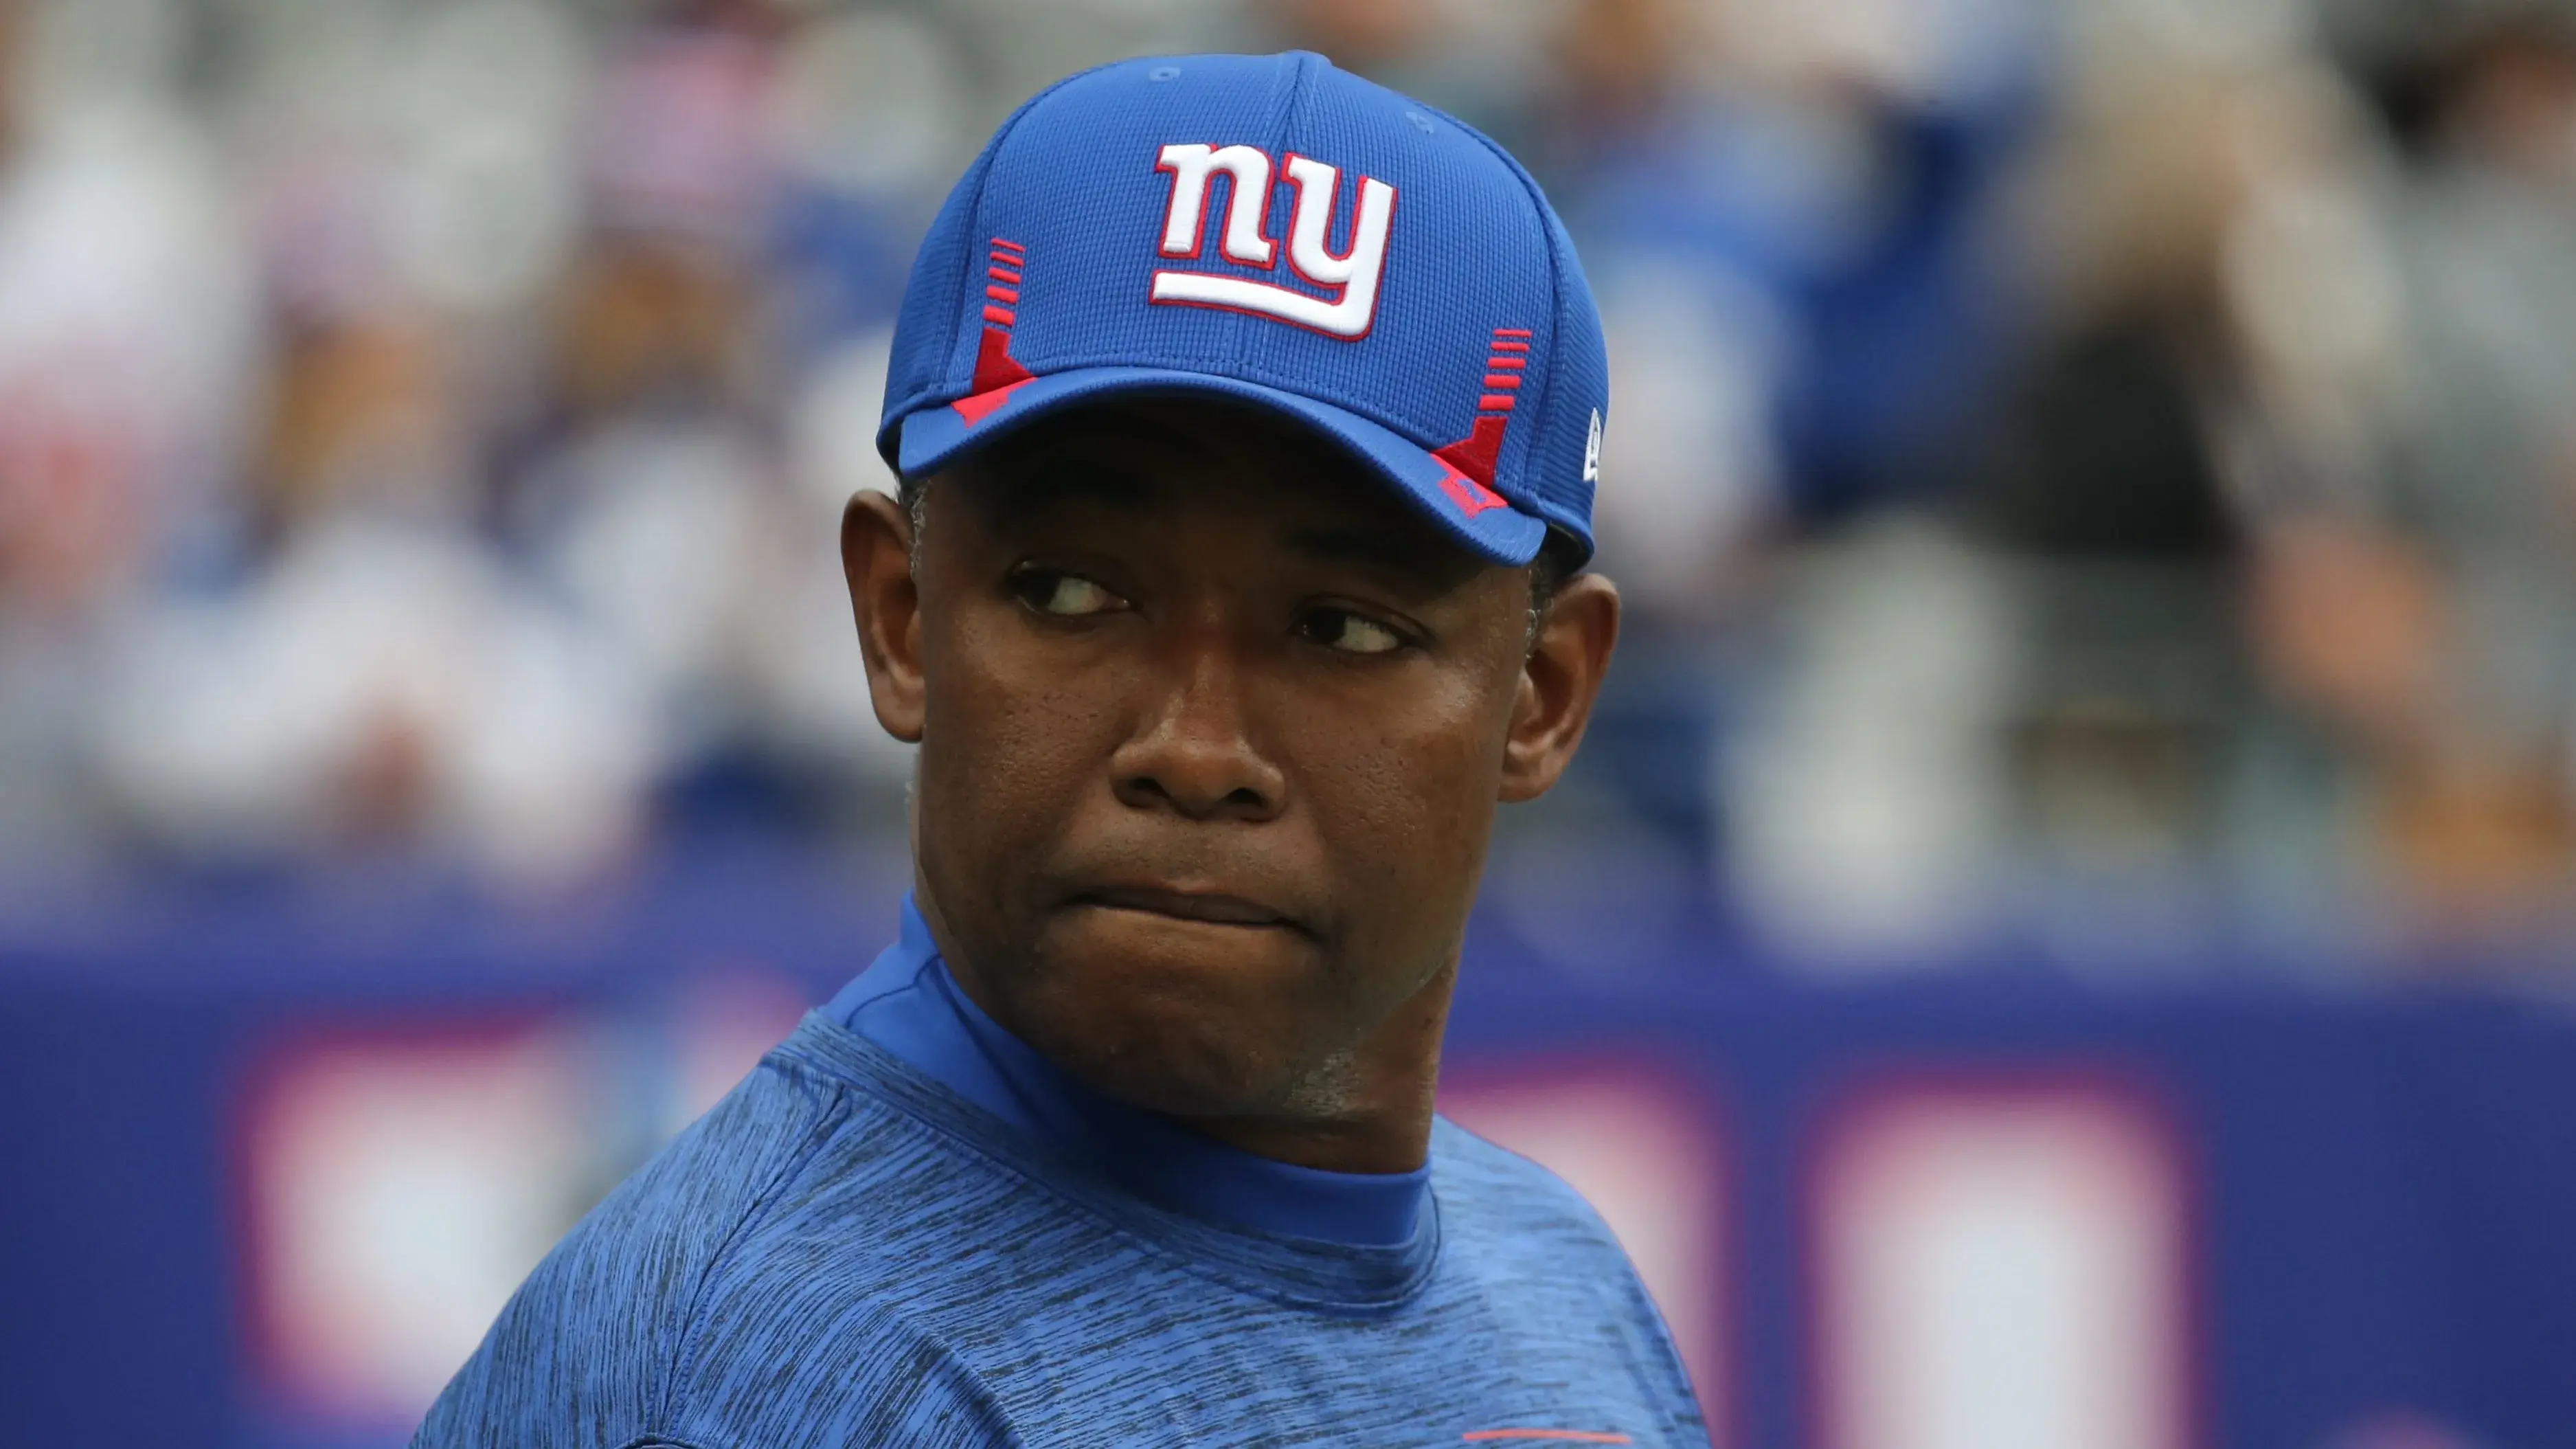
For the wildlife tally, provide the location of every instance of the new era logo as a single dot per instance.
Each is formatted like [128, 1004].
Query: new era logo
[1349, 280]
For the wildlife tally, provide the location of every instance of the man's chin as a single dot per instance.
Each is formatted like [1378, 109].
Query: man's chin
[1186, 1018]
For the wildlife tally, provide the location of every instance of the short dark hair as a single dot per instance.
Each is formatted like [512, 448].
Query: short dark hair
[908, 493]
[1549, 571]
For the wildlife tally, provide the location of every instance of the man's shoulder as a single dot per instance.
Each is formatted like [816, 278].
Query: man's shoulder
[790, 1131]
[1506, 1219]
[1492, 1188]
[699, 1201]
[809, 1158]
[1518, 1232]
[608, 1333]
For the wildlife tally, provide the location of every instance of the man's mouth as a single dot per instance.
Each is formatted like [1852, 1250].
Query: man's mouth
[1212, 907]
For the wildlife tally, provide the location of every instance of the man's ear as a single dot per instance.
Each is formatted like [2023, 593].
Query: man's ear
[876, 558]
[1559, 682]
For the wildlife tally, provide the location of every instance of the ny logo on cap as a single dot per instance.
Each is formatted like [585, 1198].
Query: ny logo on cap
[1351, 277]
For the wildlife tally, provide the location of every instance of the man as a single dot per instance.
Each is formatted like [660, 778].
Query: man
[1225, 601]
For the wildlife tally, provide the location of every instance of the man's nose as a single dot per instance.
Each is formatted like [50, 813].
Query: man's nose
[1194, 754]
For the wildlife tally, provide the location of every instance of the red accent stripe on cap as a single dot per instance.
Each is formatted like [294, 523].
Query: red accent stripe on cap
[1506, 363]
[1015, 246]
[995, 368]
[1498, 380]
[979, 406]
[1494, 402]
[1511, 332]
[1474, 455]
[1511, 347]
[1003, 274]
[1003, 294]
[998, 314]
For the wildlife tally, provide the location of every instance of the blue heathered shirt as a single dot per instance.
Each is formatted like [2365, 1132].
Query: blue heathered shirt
[906, 1227]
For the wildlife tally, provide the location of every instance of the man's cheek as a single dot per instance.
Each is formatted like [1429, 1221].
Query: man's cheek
[1419, 836]
[1412, 796]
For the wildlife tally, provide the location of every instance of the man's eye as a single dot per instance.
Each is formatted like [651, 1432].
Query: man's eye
[1341, 629]
[1068, 596]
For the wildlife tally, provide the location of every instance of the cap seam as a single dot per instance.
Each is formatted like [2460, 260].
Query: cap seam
[1297, 73]
[1555, 286]
[1557, 277]
[974, 248]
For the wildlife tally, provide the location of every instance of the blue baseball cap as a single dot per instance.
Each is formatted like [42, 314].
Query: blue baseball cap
[1272, 230]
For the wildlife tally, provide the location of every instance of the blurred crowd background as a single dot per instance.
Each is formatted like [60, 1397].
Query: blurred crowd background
[2094, 481]
[2070, 462]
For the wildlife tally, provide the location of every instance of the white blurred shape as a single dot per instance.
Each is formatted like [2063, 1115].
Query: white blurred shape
[1921, 51]
[2004, 1269]
[807, 651]
[534, 743]
[871, 101]
[127, 326]
[2171, 32]
[1686, 457]
[547, 785]
[834, 422]
[399, 1191]
[1020, 47]
[1869, 794]
[661, 549]
[488, 105]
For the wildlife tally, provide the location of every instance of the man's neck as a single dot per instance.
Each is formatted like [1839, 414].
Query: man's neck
[1366, 1111]
[1375, 1112]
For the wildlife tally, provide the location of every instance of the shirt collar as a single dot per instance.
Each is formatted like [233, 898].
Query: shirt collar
[907, 1003]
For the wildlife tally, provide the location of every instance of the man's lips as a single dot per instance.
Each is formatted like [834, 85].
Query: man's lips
[1213, 907]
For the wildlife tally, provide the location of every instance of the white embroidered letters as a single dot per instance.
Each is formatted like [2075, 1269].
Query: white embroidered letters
[1245, 210]
[1352, 276]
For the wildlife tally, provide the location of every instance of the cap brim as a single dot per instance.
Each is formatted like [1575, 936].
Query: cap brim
[934, 437]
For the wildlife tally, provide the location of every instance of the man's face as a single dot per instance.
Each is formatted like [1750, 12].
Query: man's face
[1212, 730]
